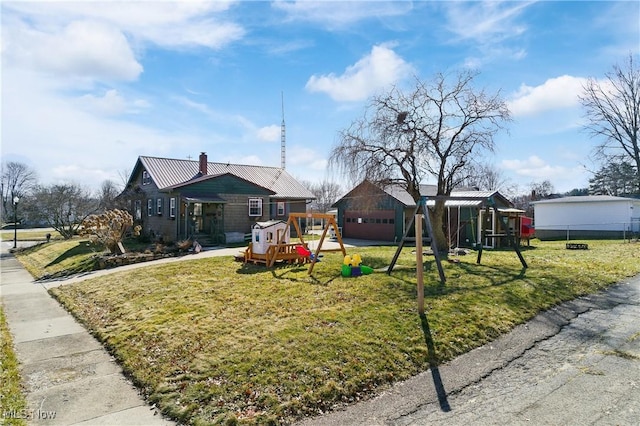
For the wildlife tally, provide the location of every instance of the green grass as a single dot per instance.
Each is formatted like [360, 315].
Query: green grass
[12, 400]
[29, 235]
[216, 341]
[60, 258]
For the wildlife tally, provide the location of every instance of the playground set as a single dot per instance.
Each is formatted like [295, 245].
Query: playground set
[271, 241]
[417, 219]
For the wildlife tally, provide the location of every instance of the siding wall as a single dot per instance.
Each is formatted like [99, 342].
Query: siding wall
[602, 219]
[600, 216]
[236, 212]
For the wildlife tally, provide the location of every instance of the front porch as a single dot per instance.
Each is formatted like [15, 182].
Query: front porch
[202, 220]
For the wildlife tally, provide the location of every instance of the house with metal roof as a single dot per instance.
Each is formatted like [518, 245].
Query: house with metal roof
[217, 203]
[586, 217]
[374, 212]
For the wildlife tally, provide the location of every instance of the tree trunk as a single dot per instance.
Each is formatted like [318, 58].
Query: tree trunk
[437, 214]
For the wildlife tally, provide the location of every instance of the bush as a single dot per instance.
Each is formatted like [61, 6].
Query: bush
[108, 228]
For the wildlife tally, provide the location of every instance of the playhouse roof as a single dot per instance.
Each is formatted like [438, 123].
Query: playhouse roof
[268, 224]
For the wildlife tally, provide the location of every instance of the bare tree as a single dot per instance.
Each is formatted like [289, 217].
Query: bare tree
[109, 191]
[537, 191]
[65, 206]
[613, 115]
[17, 180]
[432, 130]
[487, 177]
[326, 194]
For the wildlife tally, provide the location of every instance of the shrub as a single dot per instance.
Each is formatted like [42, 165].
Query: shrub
[108, 228]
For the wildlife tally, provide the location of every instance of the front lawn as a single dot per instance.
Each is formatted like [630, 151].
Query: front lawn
[216, 341]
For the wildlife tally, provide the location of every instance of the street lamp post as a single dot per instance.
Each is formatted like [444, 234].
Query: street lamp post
[15, 221]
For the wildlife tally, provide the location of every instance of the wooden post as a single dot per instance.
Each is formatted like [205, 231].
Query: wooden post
[419, 264]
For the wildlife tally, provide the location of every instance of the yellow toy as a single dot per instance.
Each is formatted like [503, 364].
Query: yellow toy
[351, 266]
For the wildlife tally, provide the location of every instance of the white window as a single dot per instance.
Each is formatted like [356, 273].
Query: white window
[159, 206]
[255, 206]
[146, 179]
[172, 207]
[150, 207]
[281, 208]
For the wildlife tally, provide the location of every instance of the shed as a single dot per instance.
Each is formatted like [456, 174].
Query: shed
[266, 234]
[591, 216]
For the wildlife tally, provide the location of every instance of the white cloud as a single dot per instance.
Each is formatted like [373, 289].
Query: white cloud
[379, 69]
[302, 156]
[555, 93]
[269, 133]
[485, 22]
[111, 103]
[164, 23]
[490, 26]
[83, 49]
[340, 14]
[535, 169]
[95, 41]
[65, 141]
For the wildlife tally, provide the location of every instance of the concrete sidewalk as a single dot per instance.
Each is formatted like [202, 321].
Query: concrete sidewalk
[70, 378]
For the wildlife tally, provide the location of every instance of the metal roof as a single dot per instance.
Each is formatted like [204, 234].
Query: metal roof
[268, 224]
[584, 199]
[168, 172]
[479, 197]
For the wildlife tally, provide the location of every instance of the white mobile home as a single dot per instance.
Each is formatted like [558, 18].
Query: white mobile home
[593, 216]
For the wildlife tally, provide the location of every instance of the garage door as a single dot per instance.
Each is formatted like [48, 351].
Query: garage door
[371, 225]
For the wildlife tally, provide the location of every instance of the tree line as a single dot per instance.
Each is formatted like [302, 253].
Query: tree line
[62, 206]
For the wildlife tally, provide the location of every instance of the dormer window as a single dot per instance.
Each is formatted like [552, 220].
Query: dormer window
[146, 179]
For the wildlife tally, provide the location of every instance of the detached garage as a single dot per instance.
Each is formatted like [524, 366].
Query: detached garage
[593, 216]
[372, 213]
[379, 225]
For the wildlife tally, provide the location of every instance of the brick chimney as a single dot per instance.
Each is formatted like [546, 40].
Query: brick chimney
[203, 163]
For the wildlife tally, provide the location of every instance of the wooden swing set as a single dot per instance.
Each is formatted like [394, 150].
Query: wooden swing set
[282, 251]
[418, 219]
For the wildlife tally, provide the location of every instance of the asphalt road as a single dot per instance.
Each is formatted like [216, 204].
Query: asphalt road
[577, 364]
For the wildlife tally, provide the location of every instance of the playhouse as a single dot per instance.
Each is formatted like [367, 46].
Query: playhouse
[270, 243]
[265, 234]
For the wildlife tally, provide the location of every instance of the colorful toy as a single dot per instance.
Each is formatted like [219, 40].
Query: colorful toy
[352, 266]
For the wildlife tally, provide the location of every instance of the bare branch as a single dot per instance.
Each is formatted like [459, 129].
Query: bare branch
[612, 110]
[434, 130]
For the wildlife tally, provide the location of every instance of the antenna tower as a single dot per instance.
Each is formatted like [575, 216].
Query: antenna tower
[282, 137]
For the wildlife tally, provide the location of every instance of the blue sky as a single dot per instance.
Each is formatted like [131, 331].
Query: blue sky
[88, 86]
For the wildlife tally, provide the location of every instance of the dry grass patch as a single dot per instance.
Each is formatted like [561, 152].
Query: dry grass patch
[13, 403]
[216, 341]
